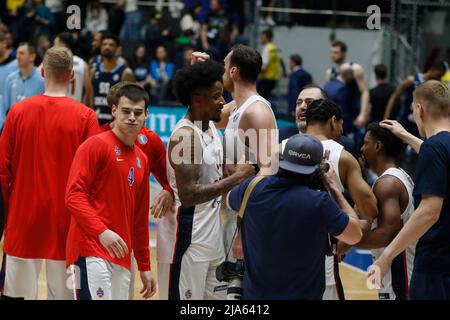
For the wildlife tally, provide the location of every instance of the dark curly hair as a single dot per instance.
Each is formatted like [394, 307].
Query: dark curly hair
[393, 146]
[201, 75]
[320, 111]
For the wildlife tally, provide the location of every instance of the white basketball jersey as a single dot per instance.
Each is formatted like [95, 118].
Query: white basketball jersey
[234, 139]
[402, 266]
[75, 89]
[331, 154]
[200, 225]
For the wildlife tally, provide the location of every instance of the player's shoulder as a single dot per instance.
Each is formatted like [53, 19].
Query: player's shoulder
[147, 136]
[12, 75]
[388, 186]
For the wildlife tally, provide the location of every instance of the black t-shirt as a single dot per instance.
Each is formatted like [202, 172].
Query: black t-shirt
[379, 97]
[284, 232]
[433, 178]
[216, 21]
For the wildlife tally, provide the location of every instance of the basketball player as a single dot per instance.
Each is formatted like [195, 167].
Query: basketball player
[153, 147]
[356, 108]
[324, 121]
[190, 245]
[430, 222]
[107, 196]
[80, 88]
[106, 74]
[39, 140]
[249, 122]
[393, 189]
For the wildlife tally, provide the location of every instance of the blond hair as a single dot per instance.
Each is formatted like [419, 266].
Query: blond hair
[58, 60]
[436, 96]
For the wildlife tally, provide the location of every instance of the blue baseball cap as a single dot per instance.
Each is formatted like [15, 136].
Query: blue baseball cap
[302, 154]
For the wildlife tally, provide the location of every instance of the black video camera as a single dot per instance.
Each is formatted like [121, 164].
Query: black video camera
[233, 273]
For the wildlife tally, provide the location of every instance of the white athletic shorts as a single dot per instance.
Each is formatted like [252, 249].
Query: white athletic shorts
[189, 280]
[21, 278]
[98, 279]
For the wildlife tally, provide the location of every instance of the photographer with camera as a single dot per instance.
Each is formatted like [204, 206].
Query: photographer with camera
[298, 218]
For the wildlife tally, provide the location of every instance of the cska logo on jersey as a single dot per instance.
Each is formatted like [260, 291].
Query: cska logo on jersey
[142, 139]
[117, 150]
[131, 176]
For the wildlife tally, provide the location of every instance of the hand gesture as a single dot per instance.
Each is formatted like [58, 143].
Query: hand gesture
[199, 56]
[244, 171]
[148, 283]
[163, 202]
[114, 244]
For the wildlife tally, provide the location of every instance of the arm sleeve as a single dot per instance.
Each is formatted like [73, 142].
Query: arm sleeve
[140, 229]
[6, 157]
[237, 194]
[6, 97]
[335, 219]
[153, 71]
[83, 173]
[92, 126]
[2, 214]
[265, 55]
[169, 70]
[157, 160]
[432, 170]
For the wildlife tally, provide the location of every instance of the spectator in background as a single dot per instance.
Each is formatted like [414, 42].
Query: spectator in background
[139, 65]
[153, 34]
[116, 18]
[132, 22]
[162, 71]
[379, 95]
[10, 44]
[57, 8]
[96, 17]
[298, 79]
[41, 18]
[216, 21]
[8, 64]
[271, 67]
[189, 21]
[185, 59]
[42, 44]
[15, 19]
[269, 15]
[23, 83]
